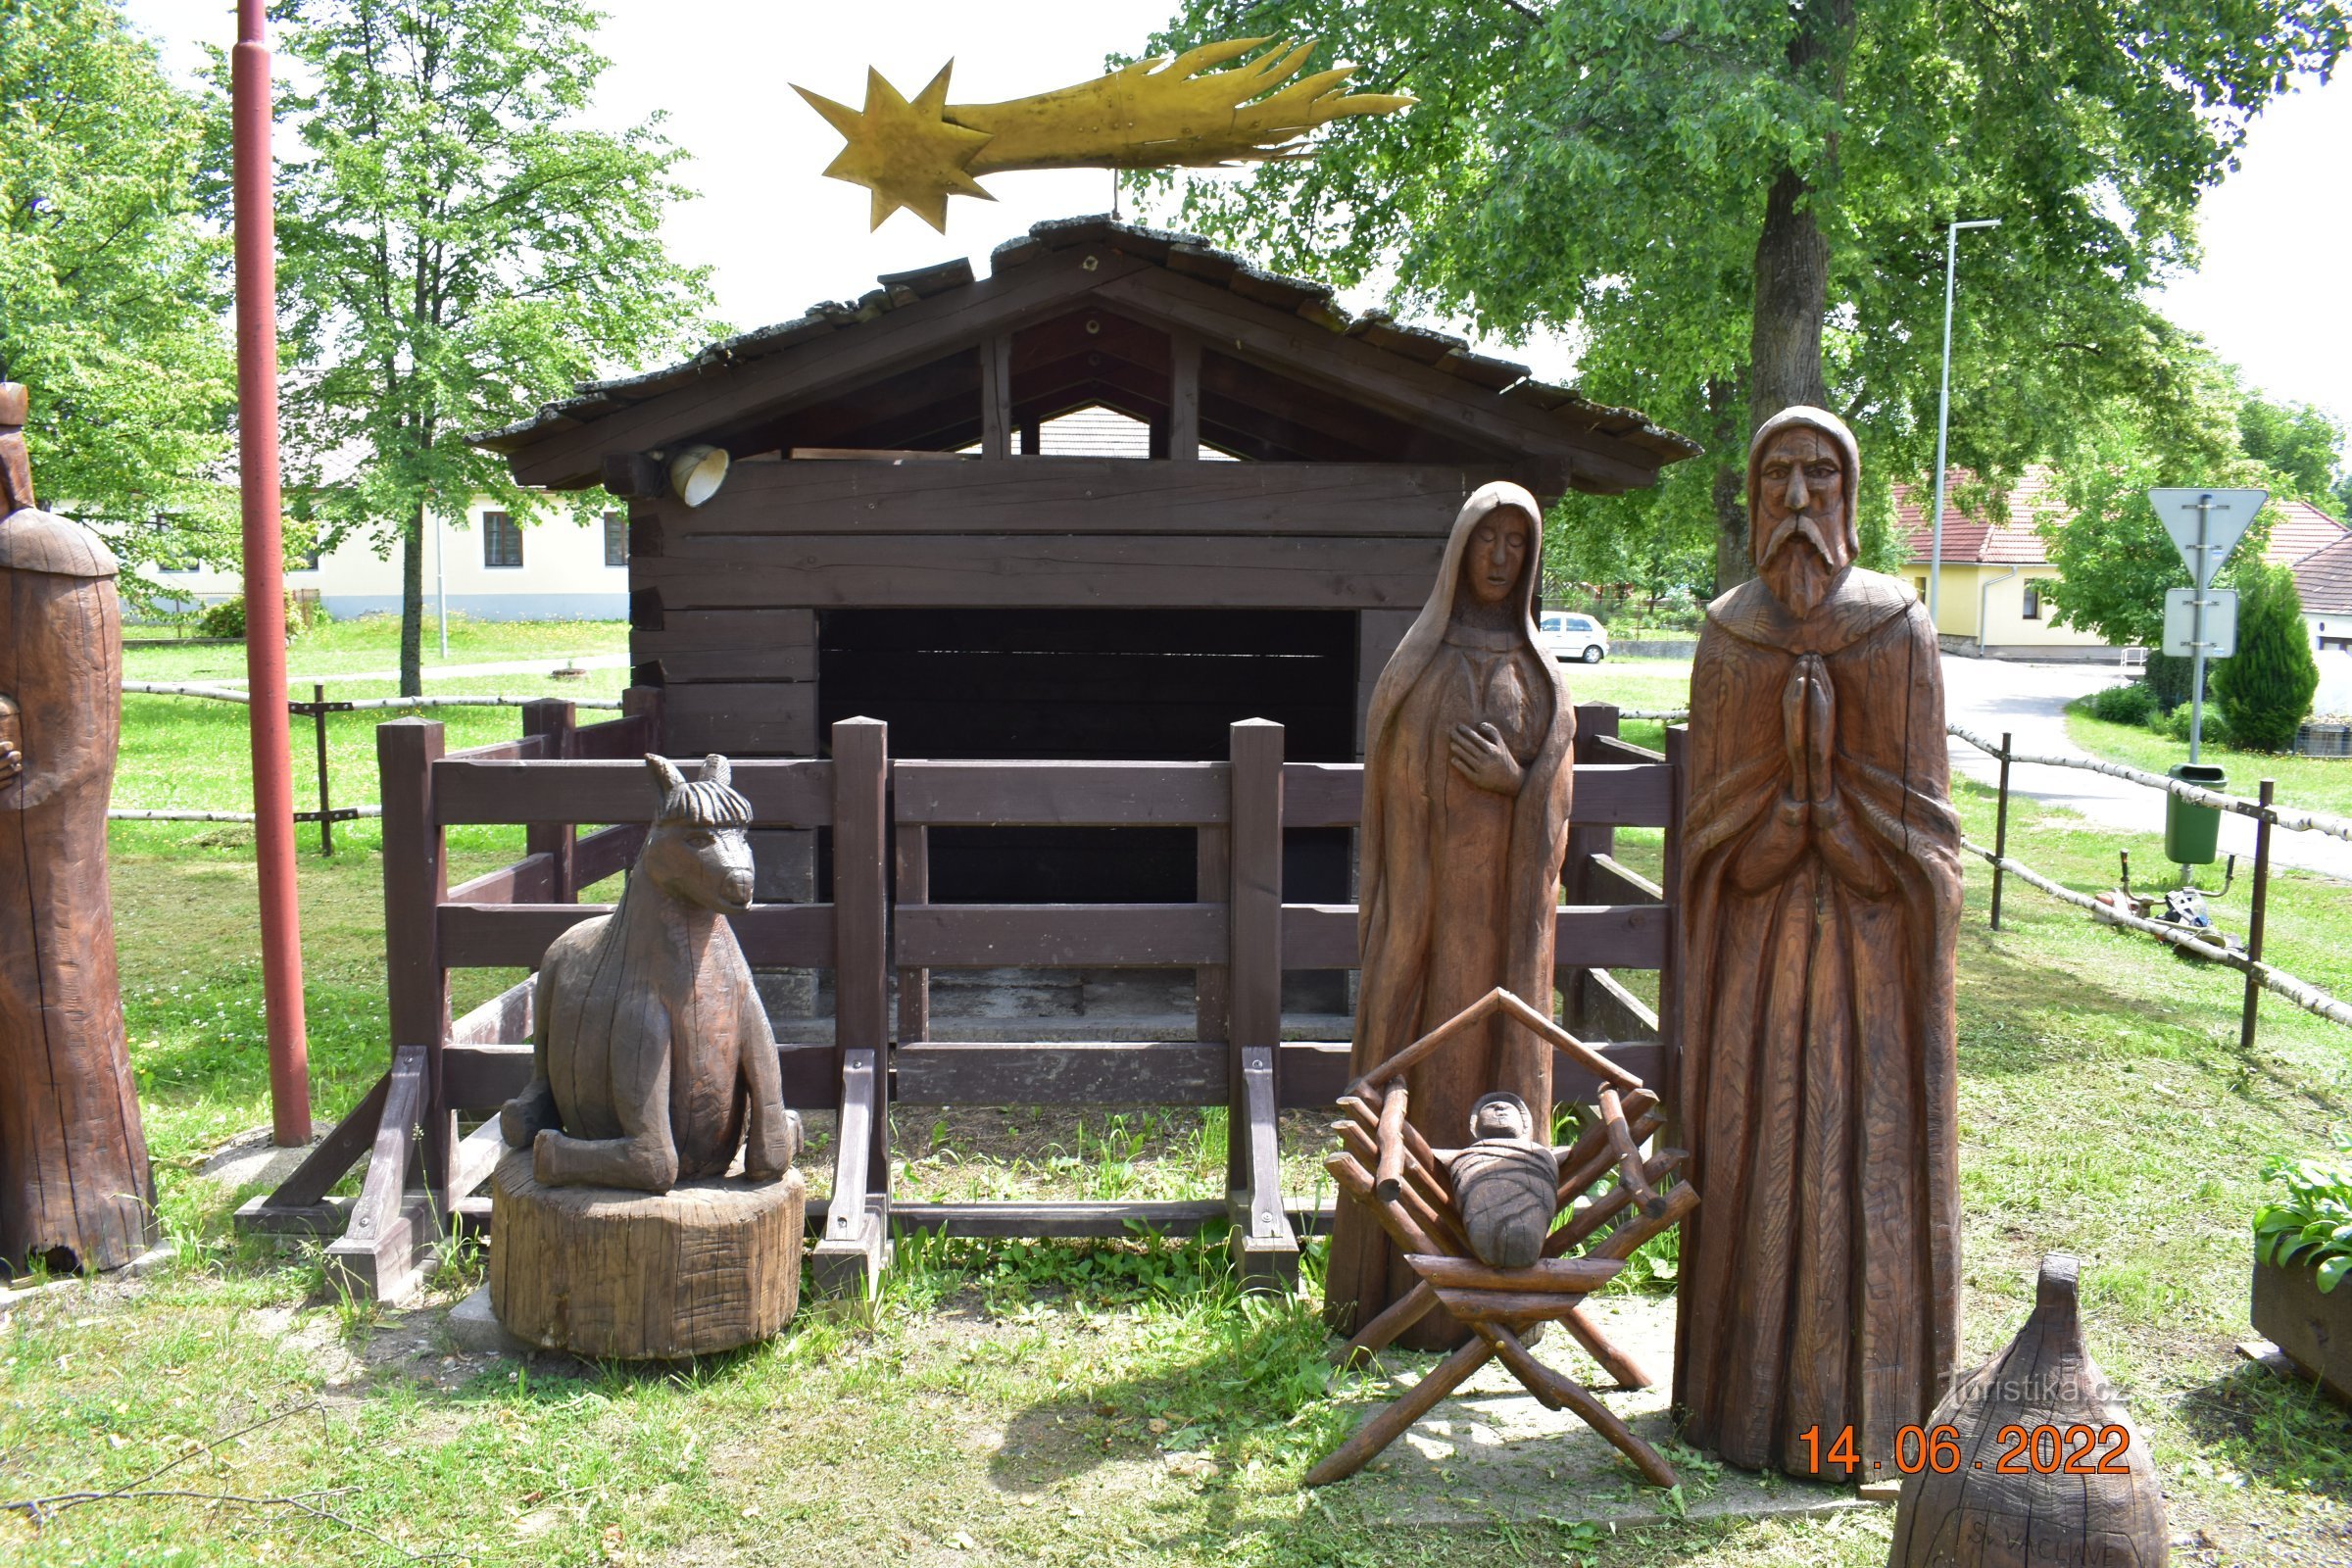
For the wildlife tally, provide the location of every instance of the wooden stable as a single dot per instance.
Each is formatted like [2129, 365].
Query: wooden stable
[424, 1169]
[892, 543]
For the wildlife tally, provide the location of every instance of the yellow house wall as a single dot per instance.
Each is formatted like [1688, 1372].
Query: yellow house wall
[1956, 598]
[2005, 623]
[1971, 591]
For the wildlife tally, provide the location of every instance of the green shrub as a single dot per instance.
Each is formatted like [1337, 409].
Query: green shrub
[2168, 678]
[2128, 704]
[2312, 1226]
[227, 617]
[223, 620]
[2176, 724]
[2265, 686]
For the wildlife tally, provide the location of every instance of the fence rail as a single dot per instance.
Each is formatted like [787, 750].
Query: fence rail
[2292, 821]
[361, 704]
[315, 710]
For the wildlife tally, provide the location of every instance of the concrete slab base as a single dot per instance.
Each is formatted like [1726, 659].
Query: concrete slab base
[251, 1158]
[1491, 1452]
[472, 1326]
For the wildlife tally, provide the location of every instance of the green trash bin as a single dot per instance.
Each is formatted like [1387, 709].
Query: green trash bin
[2190, 831]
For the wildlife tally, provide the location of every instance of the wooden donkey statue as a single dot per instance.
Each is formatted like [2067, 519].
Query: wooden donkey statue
[651, 1040]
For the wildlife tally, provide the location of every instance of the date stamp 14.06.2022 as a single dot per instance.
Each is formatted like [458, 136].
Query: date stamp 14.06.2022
[2018, 1450]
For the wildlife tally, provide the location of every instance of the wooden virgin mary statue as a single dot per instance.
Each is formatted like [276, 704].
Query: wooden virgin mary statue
[1820, 908]
[1466, 781]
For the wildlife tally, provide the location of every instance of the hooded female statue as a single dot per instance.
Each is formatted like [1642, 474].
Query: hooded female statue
[76, 1188]
[1466, 783]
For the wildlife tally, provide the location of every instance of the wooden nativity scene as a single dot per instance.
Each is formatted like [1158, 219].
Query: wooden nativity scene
[1260, 703]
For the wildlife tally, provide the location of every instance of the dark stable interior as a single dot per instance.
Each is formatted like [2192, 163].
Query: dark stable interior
[1095, 685]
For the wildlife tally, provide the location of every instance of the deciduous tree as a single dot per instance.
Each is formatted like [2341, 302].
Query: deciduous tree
[1738, 204]
[110, 292]
[455, 248]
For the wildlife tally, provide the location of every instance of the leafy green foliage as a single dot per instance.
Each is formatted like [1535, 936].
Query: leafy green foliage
[2171, 677]
[1606, 171]
[2312, 1226]
[2264, 689]
[2114, 558]
[110, 296]
[2299, 444]
[2132, 703]
[456, 249]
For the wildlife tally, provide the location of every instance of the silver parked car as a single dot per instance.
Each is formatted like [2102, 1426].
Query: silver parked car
[1573, 636]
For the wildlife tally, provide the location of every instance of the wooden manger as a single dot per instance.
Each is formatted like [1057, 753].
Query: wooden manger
[1387, 1166]
[1239, 936]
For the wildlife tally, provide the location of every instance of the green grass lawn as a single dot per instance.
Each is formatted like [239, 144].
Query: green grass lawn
[2308, 783]
[1080, 1403]
[373, 643]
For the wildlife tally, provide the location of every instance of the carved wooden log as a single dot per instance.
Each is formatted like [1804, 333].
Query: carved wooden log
[706, 1266]
[75, 1183]
[2035, 1425]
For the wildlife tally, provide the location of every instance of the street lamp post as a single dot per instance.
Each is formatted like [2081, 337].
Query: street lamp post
[1943, 408]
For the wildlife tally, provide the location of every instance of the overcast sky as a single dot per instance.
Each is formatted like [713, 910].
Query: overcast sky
[2271, 295]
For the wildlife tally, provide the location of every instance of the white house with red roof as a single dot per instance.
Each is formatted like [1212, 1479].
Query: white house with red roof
[1996, 575]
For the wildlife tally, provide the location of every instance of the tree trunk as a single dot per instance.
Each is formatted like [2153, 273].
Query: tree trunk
[1726, 439]
[1792, 296]
[411, 607]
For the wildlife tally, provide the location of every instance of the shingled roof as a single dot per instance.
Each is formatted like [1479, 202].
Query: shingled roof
[2301, 532]
[1637, 443]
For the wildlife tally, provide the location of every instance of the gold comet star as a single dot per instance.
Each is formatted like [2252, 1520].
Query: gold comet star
[1154, 114]
[908, 154]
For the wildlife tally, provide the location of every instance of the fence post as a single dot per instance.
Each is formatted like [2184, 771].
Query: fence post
[556, 719]
[1263, 1246]
[1585, 839]
[856, 1244]
[2001, 832]
[326, 820]
[2261, 899]
[393, 1229]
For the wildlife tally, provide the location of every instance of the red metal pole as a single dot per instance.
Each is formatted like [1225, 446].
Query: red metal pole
[264, 582]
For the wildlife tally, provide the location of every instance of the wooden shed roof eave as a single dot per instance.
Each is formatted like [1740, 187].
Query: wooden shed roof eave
[1175, 279]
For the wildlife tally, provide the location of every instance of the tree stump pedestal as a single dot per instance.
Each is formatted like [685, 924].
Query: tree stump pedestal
[599, 1271]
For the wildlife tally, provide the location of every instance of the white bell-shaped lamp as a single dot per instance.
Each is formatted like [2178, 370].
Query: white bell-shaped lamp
[695, 473]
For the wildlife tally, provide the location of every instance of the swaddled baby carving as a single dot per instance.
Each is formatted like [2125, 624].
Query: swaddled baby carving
[652, 1053]
[1502, 1184]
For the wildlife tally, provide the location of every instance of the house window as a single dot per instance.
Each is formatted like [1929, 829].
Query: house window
[2032, 609]
[616, 539]
[502, 541]
[1922, 584]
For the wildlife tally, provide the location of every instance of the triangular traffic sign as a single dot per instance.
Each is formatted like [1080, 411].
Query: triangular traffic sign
[2227, 513]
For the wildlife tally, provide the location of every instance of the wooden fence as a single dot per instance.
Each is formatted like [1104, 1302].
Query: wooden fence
[1238, 936]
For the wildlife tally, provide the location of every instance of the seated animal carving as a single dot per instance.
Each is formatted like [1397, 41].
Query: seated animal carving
[651, 1043]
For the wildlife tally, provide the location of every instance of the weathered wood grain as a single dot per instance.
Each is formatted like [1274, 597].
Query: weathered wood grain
[635, 1276]
[770, 497]
[1995, 1505]
[784, 793]
[1045, 571]
[75, 1186]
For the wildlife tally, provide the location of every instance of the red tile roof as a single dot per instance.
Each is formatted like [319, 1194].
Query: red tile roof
[2323, 579]
[2304, 530]
[1969, 540]
[2302, 533]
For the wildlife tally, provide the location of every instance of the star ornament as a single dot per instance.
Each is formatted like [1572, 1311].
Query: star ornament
[908, 153]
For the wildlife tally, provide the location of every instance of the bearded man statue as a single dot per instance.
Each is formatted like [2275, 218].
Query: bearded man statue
[1820, 903]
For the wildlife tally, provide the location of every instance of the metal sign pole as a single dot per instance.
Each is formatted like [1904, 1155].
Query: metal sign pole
[2204, 577]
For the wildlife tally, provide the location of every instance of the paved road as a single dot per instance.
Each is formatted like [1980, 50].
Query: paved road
[1990, 695]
